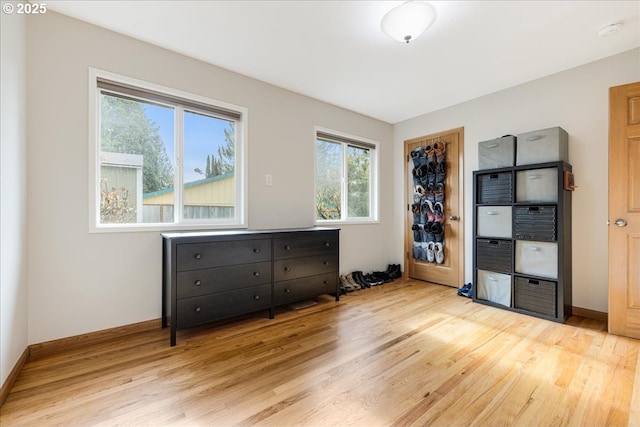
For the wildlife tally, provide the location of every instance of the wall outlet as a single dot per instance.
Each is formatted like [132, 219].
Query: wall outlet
[268, 180]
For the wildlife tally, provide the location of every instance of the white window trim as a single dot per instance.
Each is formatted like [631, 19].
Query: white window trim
[240, 220]
[375, 162]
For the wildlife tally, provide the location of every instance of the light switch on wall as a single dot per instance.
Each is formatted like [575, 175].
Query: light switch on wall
[268, 180]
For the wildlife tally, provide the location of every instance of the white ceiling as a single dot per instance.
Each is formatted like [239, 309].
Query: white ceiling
[334, 50]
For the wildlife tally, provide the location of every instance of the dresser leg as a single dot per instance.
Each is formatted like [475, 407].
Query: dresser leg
[173, 336]
[272, 313]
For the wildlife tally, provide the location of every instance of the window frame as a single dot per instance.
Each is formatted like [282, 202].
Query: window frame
[192, 102]
[345, 140]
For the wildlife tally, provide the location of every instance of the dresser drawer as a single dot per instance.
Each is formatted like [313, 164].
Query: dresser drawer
[304, 244]
[497, 153]
[209, 280]
[494, 287]
[495, 255]
[538, 296]
[194, 256]
[537, 258]
[494, 221]
[287, 269]
[537, 185]
[535, 223]
[494, 188]
[306, 287]
[203, 309]
[541, 146]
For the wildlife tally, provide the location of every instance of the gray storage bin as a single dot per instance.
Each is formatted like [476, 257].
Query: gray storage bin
[541, 146]
[497, 153]
[535, 223]
[537, 258]
[495, 188]
[538, 296]
[494, 221]
[494, 254]
[537, 185]
[494, 287]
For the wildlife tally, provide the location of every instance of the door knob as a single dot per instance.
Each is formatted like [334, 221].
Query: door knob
[620, 222]
[453, 218]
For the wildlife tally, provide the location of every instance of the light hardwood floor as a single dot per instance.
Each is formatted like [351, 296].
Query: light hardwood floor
[404, 353]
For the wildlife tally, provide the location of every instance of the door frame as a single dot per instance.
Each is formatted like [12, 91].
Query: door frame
[408, 217]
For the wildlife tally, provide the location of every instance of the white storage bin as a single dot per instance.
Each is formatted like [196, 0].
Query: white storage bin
[545, 145]
[537, 185]
[494, 221]
[537, 258]
[494, 287]
[497, 153]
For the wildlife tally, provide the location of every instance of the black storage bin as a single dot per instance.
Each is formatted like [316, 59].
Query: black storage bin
[495, 188]
[538, 296]
[494, 255]
[535, 223]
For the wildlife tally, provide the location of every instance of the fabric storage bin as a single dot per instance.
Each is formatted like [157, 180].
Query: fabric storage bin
[497, 153]
[535, 223]
[495, 255]
[494, 221]
[538, 296]
[545, 145]
[537, 185]
[494, 188]
[537, 258]
[494, 287]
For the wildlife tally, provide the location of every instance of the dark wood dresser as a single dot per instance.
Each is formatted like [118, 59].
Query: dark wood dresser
[209, 276]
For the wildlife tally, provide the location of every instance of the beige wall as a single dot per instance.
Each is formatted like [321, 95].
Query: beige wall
[81, 282]
[13, 185]
[576, 100]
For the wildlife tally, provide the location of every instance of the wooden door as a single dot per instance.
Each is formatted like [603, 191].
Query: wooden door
[451, 271]
[624, 210]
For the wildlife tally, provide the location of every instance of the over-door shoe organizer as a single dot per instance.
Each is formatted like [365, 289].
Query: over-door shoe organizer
[522, 233]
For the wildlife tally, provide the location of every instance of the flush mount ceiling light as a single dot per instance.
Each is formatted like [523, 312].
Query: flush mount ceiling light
[407, 21]
[610, 30]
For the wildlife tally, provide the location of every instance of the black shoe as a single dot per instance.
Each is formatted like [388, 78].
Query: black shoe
[359, 278]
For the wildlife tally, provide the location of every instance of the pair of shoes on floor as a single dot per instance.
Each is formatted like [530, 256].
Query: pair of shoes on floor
[348, 283]
[466, 290]
[394, 272]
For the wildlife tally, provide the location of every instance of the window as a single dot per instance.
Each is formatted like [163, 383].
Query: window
[164, 159]
[346, 178]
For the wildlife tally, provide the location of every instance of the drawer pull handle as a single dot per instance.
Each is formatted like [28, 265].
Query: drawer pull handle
[256, 251]
[256, 274]
[327, 244]
[287, 247]
[534, 283]
[494, 242]
[534, 248]
[535, 176]
[287, 269]
[326, 263]
[256, 297]
[535, 137]
[197, 283]
[493, 279]
[197, 256]
[494, 176]
[198, 309]
[493, 213]
[492, 145]
[287, 290]
[326, 282]
[534, 209]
